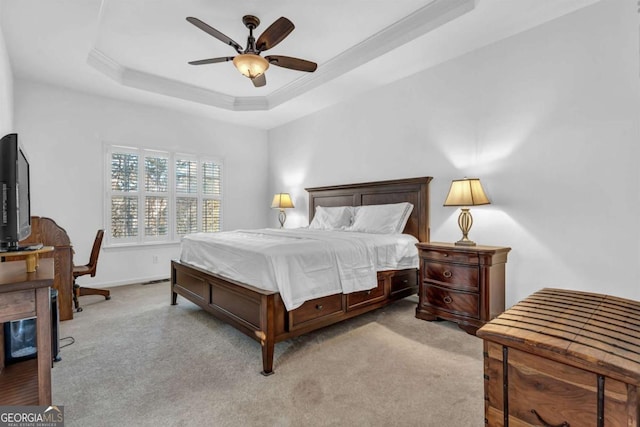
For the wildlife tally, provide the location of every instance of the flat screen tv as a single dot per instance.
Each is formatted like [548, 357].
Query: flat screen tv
[15, 223]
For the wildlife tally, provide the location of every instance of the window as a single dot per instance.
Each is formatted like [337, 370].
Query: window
[158, 196]
[198, 195]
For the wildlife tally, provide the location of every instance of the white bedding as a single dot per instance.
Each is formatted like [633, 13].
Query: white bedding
[300, 264]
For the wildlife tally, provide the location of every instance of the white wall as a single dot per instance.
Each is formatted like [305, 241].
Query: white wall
[6, 89]
[548, 119]
[63, 133]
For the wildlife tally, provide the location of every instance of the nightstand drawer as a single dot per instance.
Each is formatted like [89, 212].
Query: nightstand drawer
[449, 256]
[462, 303]
[450, 275]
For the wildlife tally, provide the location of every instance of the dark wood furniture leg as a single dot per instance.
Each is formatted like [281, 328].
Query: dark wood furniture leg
[268, 340]
[93, 291]
[174, 294]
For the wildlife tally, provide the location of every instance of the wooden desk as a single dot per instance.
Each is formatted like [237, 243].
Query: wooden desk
[24, 295]
[46, 231]
[31, 257]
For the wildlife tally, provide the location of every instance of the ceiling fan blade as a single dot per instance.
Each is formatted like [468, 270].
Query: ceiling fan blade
[259, 81]
[215, 33]
[292, 63]
[274, 34]
[211, 60]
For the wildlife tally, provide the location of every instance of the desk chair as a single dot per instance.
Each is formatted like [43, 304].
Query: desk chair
[81, 270]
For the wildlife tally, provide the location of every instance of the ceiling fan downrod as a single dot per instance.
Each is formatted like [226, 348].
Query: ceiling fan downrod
[251, 22]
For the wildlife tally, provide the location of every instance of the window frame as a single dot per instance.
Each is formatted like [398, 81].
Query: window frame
[147, 193]
[172, 236]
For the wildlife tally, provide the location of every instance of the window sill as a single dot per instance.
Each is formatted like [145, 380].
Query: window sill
[117, 246]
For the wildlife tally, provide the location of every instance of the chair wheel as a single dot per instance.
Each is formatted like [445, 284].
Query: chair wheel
[107, 298]
[78, 310]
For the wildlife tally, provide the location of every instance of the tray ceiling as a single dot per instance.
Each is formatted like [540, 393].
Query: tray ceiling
[138, 50]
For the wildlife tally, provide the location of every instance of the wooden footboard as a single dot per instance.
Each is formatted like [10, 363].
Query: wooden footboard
[262, 315]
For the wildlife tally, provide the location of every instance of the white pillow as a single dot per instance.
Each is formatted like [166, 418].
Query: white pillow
[333, 218]
[381, 219]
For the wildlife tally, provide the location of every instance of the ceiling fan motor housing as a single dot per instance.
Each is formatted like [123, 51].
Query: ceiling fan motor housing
[250, 21]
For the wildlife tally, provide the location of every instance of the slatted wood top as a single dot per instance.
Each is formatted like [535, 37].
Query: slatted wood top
[597, 332]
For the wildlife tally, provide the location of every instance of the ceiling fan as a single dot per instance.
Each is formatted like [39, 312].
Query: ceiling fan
[248, 61]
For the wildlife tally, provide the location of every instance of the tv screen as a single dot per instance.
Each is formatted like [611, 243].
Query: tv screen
[15, 223]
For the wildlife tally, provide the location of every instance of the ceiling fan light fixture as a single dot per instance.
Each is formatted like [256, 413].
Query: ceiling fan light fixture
[250, 64]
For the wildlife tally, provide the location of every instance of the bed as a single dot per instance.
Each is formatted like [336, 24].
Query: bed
[261, 314]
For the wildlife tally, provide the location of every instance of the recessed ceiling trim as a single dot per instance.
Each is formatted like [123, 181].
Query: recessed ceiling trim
[154, 83]
[176, 89]
[105, 65]
[251, 103]
[420, 22]
[423, 20]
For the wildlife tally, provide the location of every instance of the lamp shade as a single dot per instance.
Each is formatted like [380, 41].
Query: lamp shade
[466, 192]
[250, 65]
[282, 201]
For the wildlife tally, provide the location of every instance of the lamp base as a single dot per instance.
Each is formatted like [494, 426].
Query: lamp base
[463, 242]
[465, 221]
[282, 217]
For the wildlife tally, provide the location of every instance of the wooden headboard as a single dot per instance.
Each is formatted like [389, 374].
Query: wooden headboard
[412, 190]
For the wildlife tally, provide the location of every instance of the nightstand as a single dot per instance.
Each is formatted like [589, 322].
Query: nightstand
[462, 284]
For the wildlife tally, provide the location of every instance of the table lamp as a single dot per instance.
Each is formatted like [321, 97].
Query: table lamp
[282, 201]
[464, 193]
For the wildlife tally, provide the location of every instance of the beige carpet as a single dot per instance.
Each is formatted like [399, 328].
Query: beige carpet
[138, 361]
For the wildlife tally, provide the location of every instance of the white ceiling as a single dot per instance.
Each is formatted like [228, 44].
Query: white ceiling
[137, 50]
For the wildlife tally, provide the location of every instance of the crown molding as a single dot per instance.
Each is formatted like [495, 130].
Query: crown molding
[422, 21]
[157, 84]
[105, 65]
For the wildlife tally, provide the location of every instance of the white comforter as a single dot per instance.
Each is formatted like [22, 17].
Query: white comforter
[300, 264]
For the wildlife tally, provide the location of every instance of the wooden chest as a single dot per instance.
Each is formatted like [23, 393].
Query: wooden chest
[563, 358]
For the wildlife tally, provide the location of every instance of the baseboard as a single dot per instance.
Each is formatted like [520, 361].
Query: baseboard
[137, 281]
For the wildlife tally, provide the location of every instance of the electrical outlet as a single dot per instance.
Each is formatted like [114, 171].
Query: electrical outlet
[155, 259]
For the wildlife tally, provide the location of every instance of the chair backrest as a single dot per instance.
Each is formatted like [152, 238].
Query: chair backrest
[95, 251]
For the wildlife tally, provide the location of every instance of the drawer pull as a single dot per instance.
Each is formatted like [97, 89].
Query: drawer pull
[318, 306]
[447, 299]
[445, 255]
[546, 424]
[369, 292]
[405, 281]
[447, 274]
